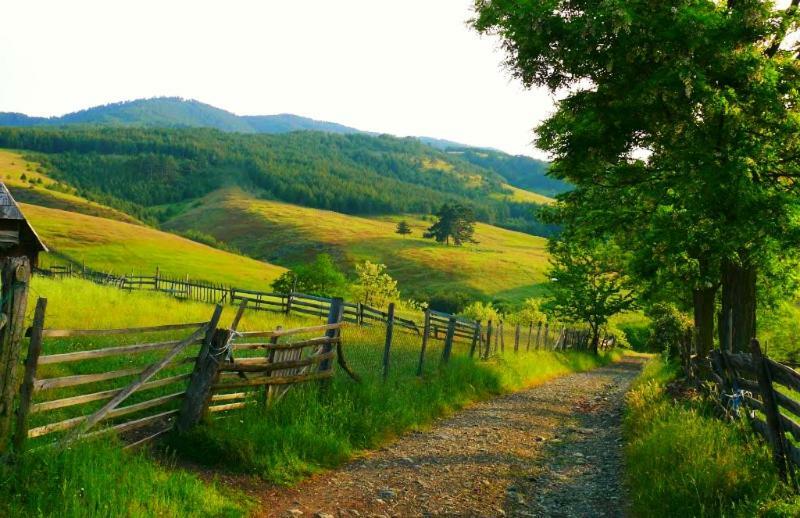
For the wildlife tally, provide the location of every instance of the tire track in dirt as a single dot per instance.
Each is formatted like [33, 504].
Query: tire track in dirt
[551, 450]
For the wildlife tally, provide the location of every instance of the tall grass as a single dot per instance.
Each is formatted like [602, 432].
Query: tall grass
[98, 479]
[682, 461]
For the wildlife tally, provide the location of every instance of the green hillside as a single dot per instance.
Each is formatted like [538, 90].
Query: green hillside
[109, 245]
[137, 169]
[503, 264]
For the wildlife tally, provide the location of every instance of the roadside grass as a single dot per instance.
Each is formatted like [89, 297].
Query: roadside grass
[502, 260]
[314, 428]
[683, 461]
[99, 479]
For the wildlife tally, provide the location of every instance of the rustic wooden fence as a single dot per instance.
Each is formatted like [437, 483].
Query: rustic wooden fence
[767, 391]
[55, 399]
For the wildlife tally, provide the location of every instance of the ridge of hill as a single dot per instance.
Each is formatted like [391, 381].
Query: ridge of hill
[175, 112]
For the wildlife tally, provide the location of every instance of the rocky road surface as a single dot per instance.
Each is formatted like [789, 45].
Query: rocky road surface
[551, 450]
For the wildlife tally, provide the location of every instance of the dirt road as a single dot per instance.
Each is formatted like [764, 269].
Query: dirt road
[552, 450]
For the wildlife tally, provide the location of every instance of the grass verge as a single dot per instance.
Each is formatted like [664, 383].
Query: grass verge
[682, 461]
[98, 479]
[312, 429]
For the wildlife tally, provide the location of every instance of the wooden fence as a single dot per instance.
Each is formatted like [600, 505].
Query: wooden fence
[766, 389]
[181, 398]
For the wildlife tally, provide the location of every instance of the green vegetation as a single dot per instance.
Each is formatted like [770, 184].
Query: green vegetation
[402, 228]
[587, 285]
[502, 265]
[152, 173]
[683, 461]
[454, 221]
[97, 478]
[320, 277]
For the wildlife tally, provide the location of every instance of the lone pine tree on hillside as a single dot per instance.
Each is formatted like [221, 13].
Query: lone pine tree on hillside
[455, 221]
[403, 228]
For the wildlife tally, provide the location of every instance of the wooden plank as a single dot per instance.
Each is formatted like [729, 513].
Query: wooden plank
[275, 380]
[745, 384]
[105, 394]
[788, 403]
[63, 333]
[240, 366]
[228, 397]
[290, 345]
[117, 412]
[229, 406]
[82, 379]
[740, 361]
[108, 351]
[132, 425]
[790, 426]
[149, 438]
[784, 375]
[146, 374]
[289, 332]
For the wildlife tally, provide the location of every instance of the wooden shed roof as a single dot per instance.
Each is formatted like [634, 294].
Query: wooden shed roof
[9, 210]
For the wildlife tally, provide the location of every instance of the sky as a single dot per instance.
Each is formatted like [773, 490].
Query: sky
[410, 67]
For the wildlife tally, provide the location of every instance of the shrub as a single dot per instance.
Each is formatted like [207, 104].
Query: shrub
[669, 329]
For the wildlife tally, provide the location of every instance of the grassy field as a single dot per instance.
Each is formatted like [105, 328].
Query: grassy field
[523, 195]
[38, 189]
[683, 461]
[108, 245]
[504, 263]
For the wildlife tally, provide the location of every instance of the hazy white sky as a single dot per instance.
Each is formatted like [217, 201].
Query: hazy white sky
[407, 67]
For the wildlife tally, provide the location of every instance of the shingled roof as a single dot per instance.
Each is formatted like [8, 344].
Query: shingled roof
[9, 210]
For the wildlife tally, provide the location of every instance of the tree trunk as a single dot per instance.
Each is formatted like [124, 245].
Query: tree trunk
[703, 299]
[595, 338]
[738, 316]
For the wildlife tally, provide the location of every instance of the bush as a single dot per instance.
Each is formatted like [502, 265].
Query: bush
[450, 302]
[670, 328]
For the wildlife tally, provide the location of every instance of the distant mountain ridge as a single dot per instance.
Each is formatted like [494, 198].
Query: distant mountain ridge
[174, 112]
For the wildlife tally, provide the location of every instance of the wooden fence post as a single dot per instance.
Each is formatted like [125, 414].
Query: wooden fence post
[476, 337]
[538, 335]
[388, 344]
[16, 273]
[334, 317]
[426, 330]
[205, 373]
[269, 389]
[502, 333]
[31, 362]
[360, 314]
[776, 436]
[546, 334]
[488, 340]
[530, 332]
[448, 340]
[516, 339]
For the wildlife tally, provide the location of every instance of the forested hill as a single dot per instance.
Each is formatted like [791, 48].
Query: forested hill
[519, 170]
[152, 173]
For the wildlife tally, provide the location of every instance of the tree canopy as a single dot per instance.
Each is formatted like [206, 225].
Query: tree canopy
[679, 125]
[454, 221]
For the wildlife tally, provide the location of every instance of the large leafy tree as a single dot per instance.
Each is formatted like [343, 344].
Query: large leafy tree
[679, 124]
[454, 221]
[587, 284]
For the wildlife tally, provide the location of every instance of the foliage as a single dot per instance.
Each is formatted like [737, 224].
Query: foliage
[531, 312]
[481, 312]
[449, 301]
[321, 277]
[403, 228]
[695, 168]
[373, 286]
[455, 221]
[682, 461]
[669, 329]
[587, 284]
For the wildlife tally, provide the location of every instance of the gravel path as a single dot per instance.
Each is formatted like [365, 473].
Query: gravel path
[552, 450]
